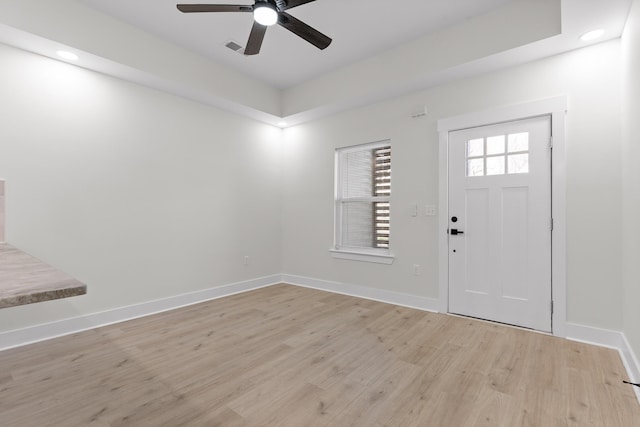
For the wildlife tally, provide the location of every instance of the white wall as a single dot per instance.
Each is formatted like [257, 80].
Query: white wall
[590, 77]
[117, 48]
[144, 195]
[631, 178]
[139, 194]
[509, 26]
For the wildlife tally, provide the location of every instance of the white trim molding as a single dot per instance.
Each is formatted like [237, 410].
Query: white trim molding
[556, 107]
[381, 295]
[611, 339]
[631, 364]
[587, 334]
[74, 325]
[376, 257]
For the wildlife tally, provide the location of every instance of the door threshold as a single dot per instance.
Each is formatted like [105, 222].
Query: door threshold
[495, 322]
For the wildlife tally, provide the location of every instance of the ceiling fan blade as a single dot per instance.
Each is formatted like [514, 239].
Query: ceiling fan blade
[301, 29]
[293, 3]
[191, 8]
[255, 39]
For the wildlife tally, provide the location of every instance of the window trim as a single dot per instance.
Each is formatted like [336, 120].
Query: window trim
[374, 255]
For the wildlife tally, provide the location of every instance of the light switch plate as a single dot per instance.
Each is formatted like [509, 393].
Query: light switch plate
[430, 210]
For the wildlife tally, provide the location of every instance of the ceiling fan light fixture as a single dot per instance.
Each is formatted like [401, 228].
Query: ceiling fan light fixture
[265, 14]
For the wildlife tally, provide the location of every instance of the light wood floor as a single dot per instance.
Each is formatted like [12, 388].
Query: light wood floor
[289, 356]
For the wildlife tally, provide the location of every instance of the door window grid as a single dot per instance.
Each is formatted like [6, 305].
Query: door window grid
[498, 155]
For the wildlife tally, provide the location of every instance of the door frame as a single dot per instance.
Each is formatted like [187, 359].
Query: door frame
[555, 107]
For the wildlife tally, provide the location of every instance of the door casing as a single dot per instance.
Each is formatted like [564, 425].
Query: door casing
[555, 107]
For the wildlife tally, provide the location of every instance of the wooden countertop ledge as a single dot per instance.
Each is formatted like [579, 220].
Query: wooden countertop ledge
[27, 280]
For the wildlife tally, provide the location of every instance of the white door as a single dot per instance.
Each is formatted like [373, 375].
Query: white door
[500, 222]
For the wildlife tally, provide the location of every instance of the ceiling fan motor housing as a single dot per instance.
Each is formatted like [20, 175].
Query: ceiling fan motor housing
[266, 13]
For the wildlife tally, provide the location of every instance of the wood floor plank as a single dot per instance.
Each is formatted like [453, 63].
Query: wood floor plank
[291, 356]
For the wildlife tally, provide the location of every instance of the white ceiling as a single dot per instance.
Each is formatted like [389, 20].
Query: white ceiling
[359, 29]
[377, 53]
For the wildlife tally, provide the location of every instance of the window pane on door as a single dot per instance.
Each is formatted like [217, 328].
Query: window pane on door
[495, 145]
[518, 142]
[518, 163]
[475, 148]
[475, 167]
[495, 165]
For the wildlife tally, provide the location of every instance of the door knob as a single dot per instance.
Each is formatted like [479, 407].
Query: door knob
[455, 231]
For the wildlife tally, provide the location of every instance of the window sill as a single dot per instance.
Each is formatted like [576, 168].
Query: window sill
[375, 257]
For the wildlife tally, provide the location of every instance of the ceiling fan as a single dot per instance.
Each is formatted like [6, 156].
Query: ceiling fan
[265, 14]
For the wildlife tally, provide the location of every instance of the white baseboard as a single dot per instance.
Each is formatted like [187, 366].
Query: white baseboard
[587, 334]
[595, 336]
[73, 325]
[390, 297]
[612, 339]
[631, 364]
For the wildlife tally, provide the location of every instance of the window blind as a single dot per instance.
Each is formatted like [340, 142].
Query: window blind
[364, 189]
[381, 187]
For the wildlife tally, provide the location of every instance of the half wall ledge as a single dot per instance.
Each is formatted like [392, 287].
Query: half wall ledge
[27, 280]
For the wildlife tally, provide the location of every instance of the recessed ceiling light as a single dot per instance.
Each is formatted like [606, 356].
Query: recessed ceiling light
[592, 35]
[67, 55]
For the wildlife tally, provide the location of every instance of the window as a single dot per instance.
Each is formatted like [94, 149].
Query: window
[362, 202]
[497, 155]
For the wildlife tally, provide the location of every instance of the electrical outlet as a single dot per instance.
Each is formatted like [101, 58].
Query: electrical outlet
[417, 269]
[245, 260]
